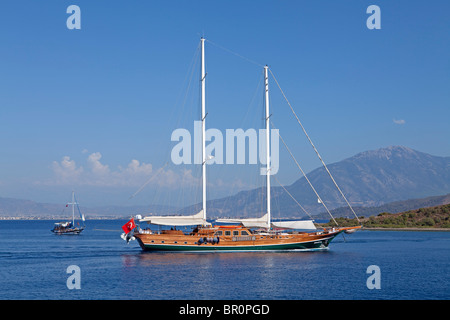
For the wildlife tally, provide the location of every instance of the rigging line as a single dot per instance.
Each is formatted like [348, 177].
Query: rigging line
[309, 182]
[254, 97]
[236, 54]
[178, 108]
[315, 149]
[148, 181]
[293, 197]
[188, 73]
[79, 211]
[189, 76]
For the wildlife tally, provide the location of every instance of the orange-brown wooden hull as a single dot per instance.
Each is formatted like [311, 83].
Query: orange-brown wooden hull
[204, 240]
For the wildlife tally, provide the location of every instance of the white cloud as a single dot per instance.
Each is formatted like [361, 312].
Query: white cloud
[66, 171]
[135, 168]
[96, 166]
[135, 174]
[400, 121]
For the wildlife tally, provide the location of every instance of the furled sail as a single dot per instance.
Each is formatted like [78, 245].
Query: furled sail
[196, 219]
[249, 223]
[262, 223]
[299, 224]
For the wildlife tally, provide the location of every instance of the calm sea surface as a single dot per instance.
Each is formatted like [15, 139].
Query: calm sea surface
[33, 265]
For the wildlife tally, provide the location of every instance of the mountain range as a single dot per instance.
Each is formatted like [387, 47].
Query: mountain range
[374, 178]
[369, 180]
[19, 208]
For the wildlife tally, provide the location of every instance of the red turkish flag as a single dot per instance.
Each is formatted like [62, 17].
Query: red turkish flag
[130, 225]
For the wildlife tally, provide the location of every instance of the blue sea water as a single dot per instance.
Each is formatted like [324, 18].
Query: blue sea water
[34, 262]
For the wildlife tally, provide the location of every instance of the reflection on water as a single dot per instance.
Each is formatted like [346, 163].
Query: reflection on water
[224, 275]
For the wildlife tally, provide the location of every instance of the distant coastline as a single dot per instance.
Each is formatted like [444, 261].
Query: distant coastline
[406, 229]
[436, 218]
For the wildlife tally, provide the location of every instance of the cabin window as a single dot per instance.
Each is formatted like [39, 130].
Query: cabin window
[162, 241]
[228, 233]
[176, 242]
[185, 242]
[244, 233]
[219, 233]
[235, 233]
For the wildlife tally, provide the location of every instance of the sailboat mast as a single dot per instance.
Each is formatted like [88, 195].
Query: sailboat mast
[202, 79]
[266, 98]
[73, 207]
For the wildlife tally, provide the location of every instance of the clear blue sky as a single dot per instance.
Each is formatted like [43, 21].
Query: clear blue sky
[93, 109]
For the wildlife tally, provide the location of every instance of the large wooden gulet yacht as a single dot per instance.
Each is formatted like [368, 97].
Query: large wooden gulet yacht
[235, 238]
[250, 234]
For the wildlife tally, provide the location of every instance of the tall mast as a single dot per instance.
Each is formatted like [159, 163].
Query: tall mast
[266, 96]
[202, 79]
[73, 208]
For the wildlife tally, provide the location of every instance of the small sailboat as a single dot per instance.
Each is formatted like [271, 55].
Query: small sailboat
[68, 227]
[250, 234]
